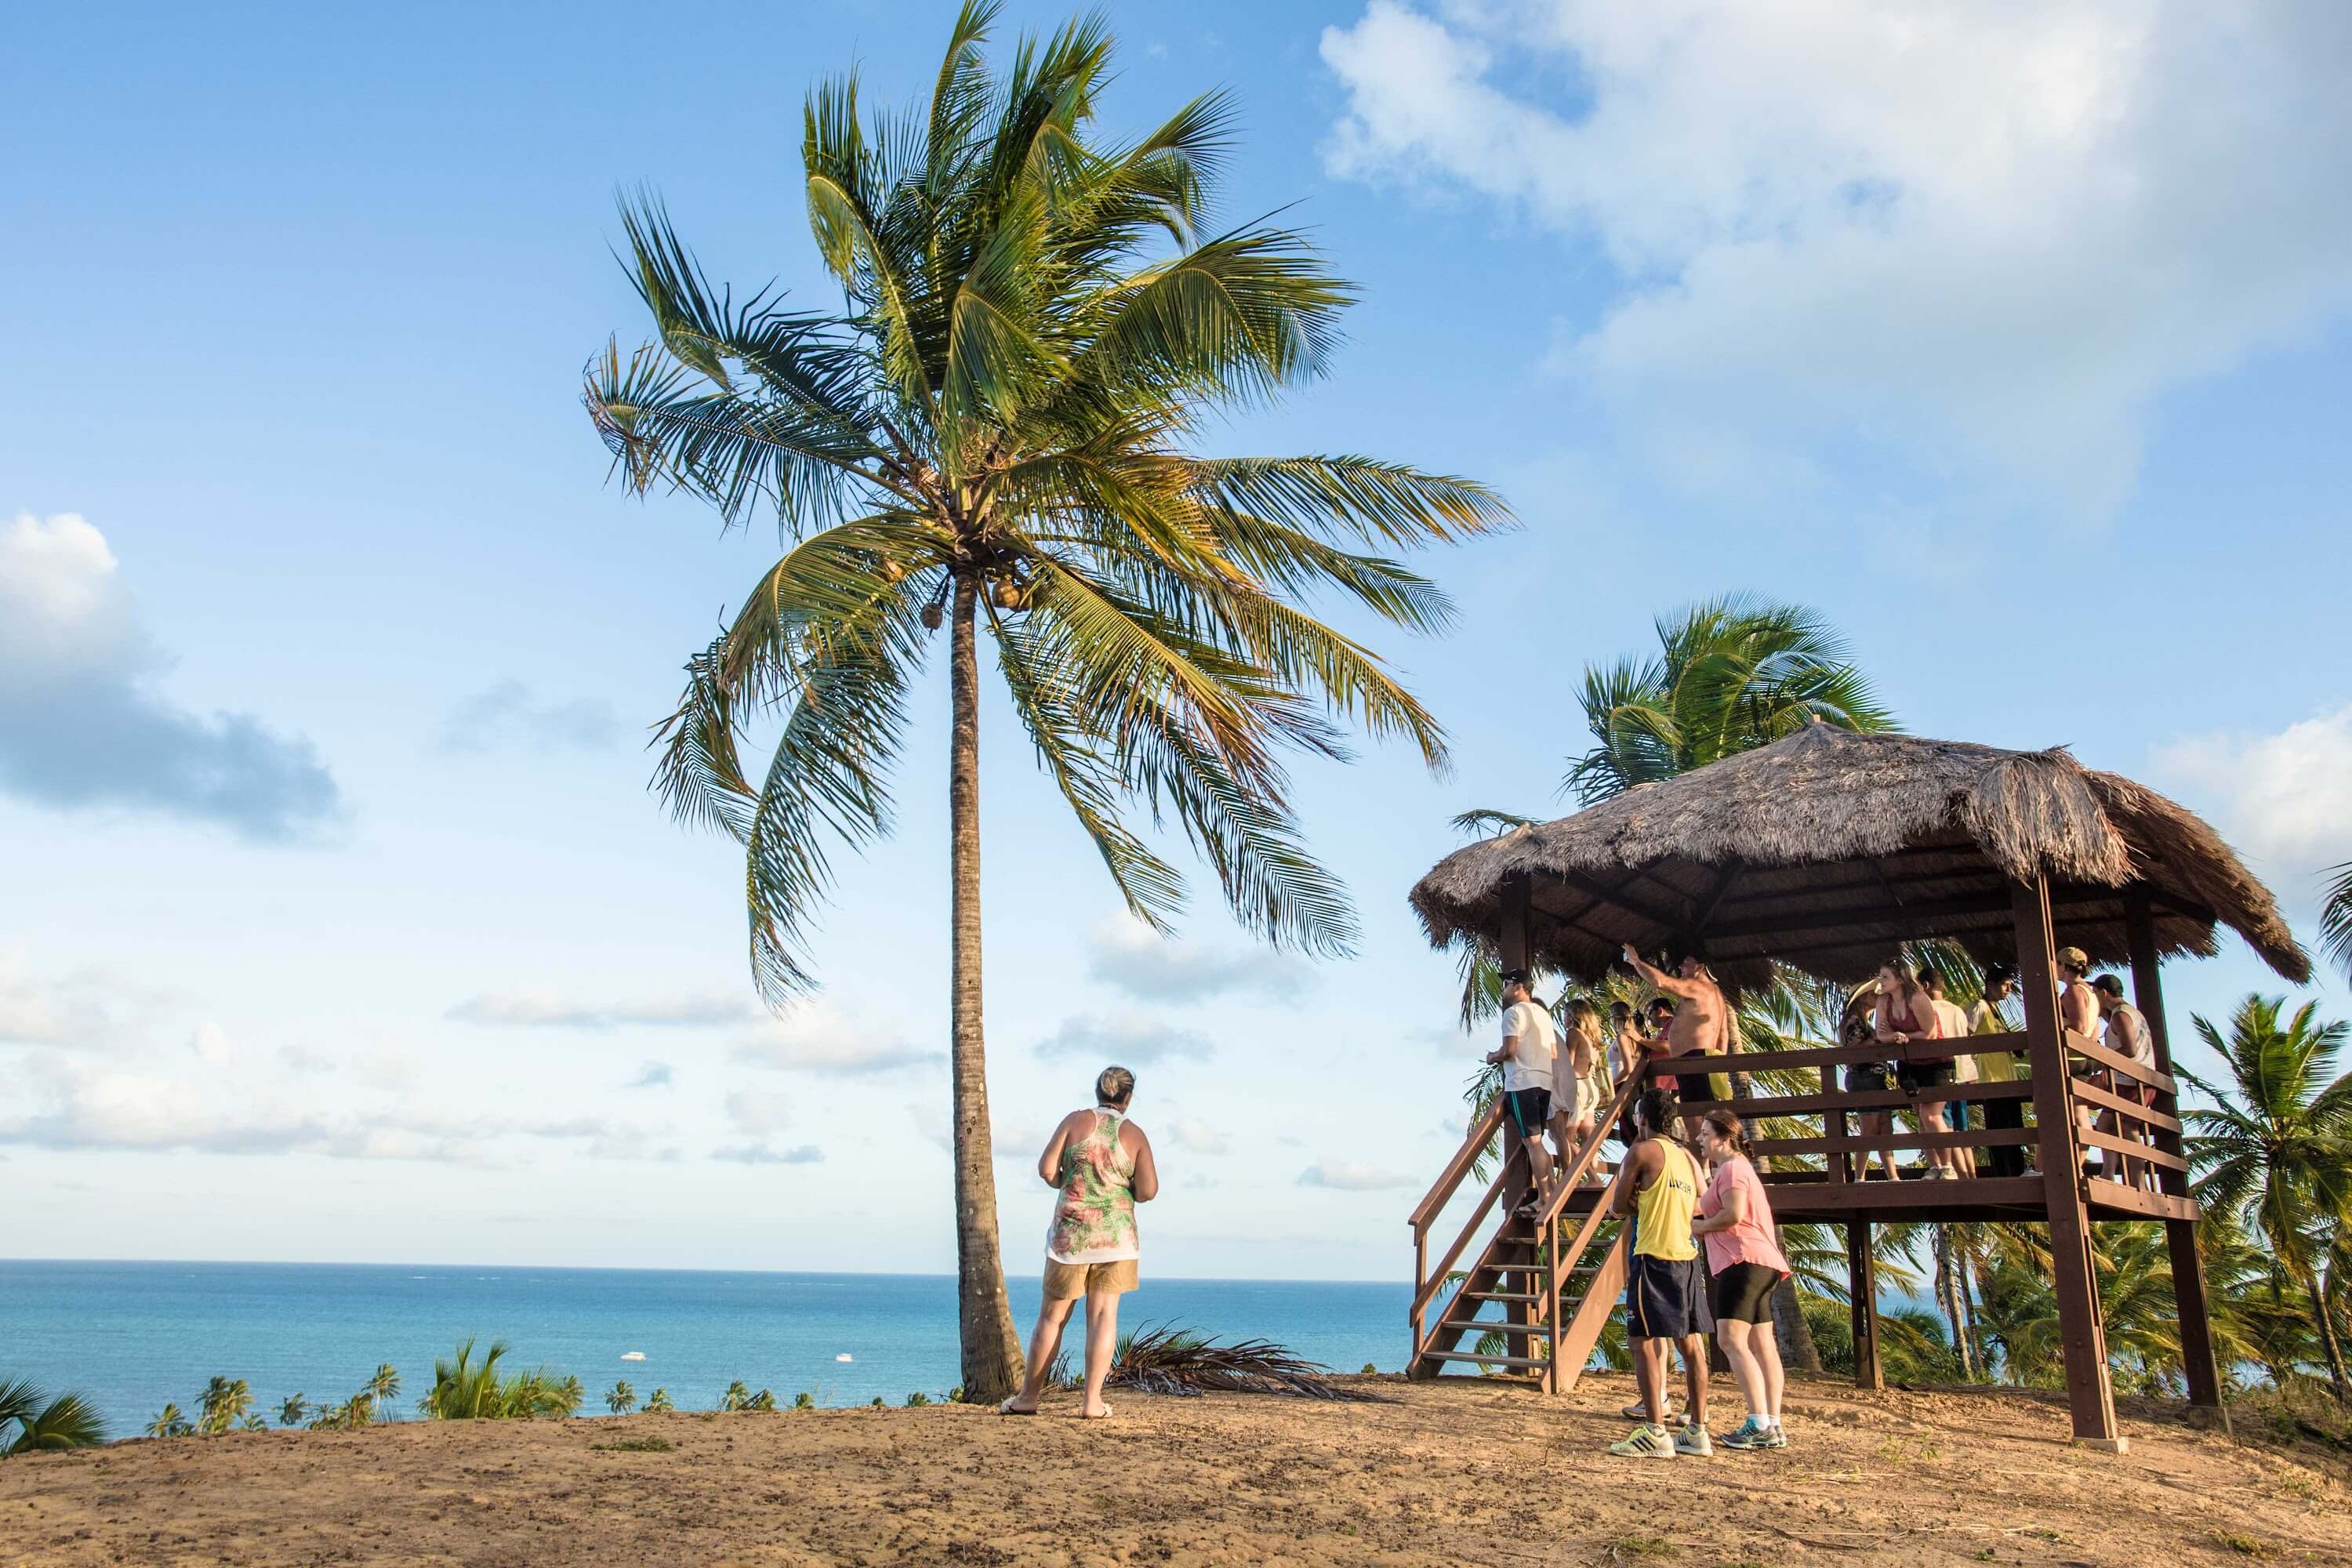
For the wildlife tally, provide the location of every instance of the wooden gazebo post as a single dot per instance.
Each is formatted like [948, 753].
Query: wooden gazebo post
[2089, 1395]
[2197, 1358]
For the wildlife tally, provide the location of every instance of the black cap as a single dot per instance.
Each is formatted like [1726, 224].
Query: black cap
[1515, 977]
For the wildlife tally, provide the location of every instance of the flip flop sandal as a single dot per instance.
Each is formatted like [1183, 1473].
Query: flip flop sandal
[1006, 1408]
[1107, 1414]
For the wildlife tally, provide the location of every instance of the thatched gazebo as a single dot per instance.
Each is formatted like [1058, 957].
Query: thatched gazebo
[1826, 851]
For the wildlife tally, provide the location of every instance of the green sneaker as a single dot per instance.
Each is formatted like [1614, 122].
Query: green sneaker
[1749, 1433]
[1646, 1442]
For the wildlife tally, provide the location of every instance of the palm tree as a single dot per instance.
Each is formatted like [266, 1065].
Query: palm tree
[659, 1400]
[1730, 675]
[464, 1389]
[737, 1396]
[2335, 919]
[45, 1424]
[622, 1399]
[998, 427]
[170, 1423]
[384, 1387]
[292, 1412]
[2276, 1146]
[221, 1403]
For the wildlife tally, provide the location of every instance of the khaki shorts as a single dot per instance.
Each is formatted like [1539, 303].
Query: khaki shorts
[1064, 1280]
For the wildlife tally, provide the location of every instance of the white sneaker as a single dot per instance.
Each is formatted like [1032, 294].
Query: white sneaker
[1646, 1442]
[1692, 1442]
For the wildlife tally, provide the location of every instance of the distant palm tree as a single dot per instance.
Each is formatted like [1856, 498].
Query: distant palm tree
[737, 1396]
[763, 1400]
[2276, 1148]
[293, 1411]
[222, 1404]
[253, 1422]
[622, 1399]
[803, 1400]
[43, 1424]
[464, 1389]
[659, 1402]
[384, 1387]
[170, 1423]
[1001, 425]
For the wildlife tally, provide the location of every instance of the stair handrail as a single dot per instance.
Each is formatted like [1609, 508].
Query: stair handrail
[1482, 1133]
[1433, 1280]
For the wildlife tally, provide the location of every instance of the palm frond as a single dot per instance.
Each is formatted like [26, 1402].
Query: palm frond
[1172, 1360]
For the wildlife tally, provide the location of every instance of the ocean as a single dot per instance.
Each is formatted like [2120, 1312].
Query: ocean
[132, 1336]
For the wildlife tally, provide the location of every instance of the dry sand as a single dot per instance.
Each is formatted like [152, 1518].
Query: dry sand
[1455, 1472]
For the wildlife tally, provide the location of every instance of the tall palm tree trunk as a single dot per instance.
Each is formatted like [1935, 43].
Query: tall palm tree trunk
[1947, 1296]
[2328, 1341]
[992, 1348]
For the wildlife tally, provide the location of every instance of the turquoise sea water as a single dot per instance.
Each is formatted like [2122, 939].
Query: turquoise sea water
[134, 1335]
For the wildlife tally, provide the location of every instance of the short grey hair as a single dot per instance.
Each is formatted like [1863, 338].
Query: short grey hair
[1114, 1087]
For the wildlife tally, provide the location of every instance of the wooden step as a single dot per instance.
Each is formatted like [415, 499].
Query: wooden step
[1492, 1326]
[1502, 1296]
[1518, 1361]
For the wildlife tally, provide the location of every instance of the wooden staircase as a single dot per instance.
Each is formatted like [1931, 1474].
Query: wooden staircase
[1555, 1279]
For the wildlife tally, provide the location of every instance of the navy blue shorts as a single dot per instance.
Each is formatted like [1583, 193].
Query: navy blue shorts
[1665, 1299]
[1528, 1109]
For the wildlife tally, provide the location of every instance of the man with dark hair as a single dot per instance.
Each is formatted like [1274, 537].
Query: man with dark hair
[1666, 1303]
[2127, 1035]
[1529, 1044]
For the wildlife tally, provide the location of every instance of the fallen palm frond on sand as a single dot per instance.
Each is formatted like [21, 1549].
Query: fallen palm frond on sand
[1169, 1359]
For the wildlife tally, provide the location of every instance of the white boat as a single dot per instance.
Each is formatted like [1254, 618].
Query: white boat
[633, 1355]
[843, 1356]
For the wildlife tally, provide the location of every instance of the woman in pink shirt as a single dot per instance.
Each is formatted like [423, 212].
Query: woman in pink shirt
[1744, 1256]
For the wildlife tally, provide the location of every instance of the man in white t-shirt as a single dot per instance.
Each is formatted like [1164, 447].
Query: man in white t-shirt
[1529, 1043]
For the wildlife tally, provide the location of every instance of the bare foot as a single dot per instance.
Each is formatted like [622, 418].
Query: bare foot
[1013, 1406]
[1099, 1412]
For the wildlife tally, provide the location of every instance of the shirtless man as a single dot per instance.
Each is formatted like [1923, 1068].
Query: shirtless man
[1702, 1022]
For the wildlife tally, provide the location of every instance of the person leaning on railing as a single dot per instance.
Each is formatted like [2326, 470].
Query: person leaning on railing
[1999, 1067]
[2127, 1035]
[1859, 1028]
[1952, 1023]
[1906, 1016]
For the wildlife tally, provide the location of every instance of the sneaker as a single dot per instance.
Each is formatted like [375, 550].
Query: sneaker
[1775, 1436]
[1646, 1442]
[1692, 1442]
[1637, 1411]
[1749, 1433]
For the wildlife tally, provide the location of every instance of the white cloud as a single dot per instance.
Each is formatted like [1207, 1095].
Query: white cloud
[1126, 1039]
[82, 726]
[2283, 799]
[1190, 1132]
[1020, 1141]
[758, 1111]
[72, 1011]
[1982, 239]
[761, 1154]
[653, 1075]
[209, 1045]
[1352, 1176]
[538, 1006]
[1148, 967]
[510, 715]
[817, 1036]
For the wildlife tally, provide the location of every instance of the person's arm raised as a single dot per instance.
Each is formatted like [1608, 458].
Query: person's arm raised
[1145, 1183]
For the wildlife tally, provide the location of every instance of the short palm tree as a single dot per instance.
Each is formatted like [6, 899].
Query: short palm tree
[170, 1421]
[658, 1401]
[384, 1387]
[738, 1396]
[464, 1389]
[997, 431]
[2275, 1146]
[42, 1424]
[622, 1399]
[293, 1412]
[224, 1402]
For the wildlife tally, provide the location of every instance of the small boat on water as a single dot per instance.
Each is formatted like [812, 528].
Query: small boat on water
[633, 1355]
[843, 1356]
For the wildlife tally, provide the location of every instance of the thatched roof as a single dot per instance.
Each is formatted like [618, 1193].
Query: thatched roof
[1829, 848]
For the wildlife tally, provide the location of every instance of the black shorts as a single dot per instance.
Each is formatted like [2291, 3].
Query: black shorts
[1743, 1293]
[1916, 1076]
[1665, 1299]
[1528, 1109]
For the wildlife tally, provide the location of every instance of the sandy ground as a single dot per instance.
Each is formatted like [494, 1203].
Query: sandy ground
[1453, 1472]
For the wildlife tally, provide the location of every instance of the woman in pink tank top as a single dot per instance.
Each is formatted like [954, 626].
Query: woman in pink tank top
[1743, 1253]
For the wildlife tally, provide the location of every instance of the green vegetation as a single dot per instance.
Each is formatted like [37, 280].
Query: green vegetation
[45, 1423]
[170, 1423]
[293, 1412]
[1000, 427]
[804, 1401]
[658, 1402]
[916, 1398]
[622, 1399]
[467, 1390]
[224, 1405]
[634, 1446]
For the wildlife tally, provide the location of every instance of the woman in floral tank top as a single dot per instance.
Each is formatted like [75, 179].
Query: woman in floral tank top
[1100, 1163]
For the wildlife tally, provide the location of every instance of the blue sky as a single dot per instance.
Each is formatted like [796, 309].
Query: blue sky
[336, 921]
